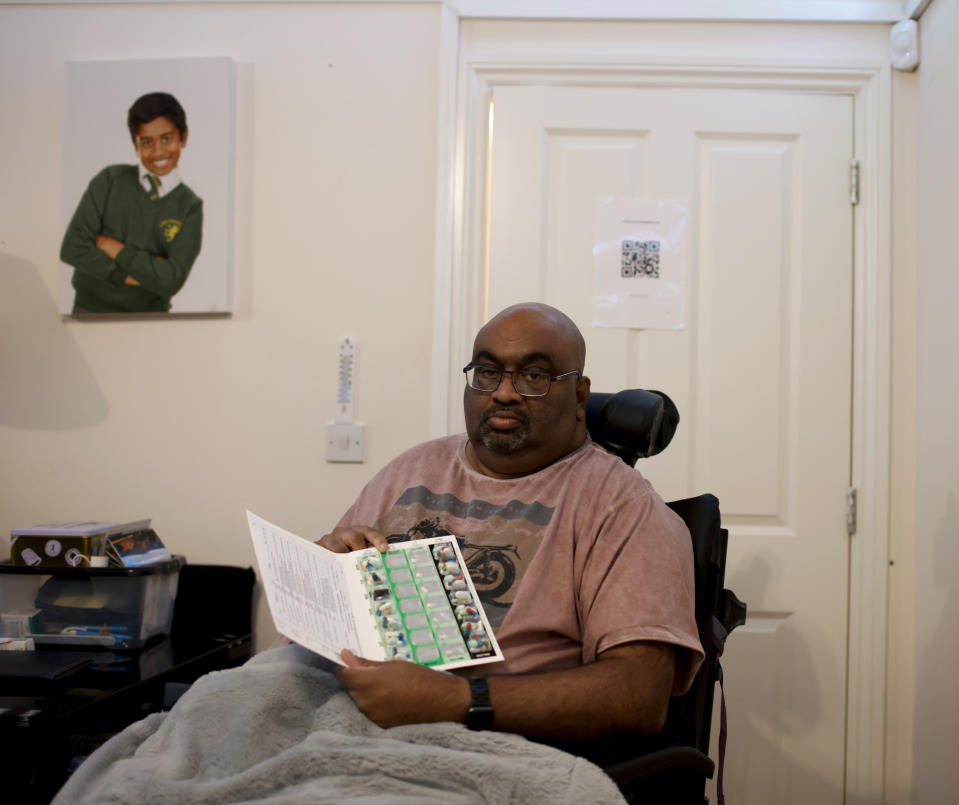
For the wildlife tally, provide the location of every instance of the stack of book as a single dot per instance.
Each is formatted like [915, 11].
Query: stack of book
[135, 548]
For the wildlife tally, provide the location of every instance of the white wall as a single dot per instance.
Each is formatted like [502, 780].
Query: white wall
[937, 490]
[191, 421]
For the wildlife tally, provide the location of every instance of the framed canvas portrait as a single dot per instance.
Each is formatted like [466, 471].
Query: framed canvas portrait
[147, 204]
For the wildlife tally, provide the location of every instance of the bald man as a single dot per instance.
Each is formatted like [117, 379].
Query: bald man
[597, 622]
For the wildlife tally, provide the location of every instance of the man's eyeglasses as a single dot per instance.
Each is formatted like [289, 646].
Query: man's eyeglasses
[528, 382]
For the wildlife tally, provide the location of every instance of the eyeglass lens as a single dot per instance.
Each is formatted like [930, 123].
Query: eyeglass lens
[529, 383]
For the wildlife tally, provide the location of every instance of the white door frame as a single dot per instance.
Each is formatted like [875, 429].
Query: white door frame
[862, 72]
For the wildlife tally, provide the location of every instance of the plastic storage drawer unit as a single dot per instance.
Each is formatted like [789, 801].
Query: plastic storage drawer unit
[120, 607]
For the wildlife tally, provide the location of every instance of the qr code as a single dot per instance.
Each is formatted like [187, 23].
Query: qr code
[640, 259]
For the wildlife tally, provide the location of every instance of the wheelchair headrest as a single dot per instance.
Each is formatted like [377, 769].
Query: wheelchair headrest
[631, 424]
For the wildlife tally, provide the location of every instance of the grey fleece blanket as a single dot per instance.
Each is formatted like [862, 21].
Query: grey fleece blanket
[281, 729]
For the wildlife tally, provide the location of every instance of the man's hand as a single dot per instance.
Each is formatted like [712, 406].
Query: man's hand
[399, 692]
[109, 246]
[344, 539]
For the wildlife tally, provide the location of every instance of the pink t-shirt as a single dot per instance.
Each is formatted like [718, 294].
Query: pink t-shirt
[569, 561]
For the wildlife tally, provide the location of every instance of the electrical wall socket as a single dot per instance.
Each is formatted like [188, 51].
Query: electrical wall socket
[344, 442]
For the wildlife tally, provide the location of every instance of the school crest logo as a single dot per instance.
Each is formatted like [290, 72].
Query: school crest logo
[169, 228]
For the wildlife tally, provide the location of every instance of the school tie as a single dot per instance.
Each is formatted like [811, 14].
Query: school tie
[154, 186]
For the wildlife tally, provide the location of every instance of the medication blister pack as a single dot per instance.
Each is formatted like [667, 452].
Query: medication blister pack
[415, 602]
[424, 604]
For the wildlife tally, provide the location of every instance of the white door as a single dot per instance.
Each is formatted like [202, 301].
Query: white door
[761, 373]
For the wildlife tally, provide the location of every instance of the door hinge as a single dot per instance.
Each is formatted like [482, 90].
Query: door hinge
[851, 510]
[854, 181]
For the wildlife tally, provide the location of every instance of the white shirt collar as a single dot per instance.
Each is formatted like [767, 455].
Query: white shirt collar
[167, 183]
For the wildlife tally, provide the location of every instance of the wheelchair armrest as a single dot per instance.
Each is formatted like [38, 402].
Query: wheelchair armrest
[673, 757]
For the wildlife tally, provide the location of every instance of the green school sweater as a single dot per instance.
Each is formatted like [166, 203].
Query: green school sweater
[161, 240]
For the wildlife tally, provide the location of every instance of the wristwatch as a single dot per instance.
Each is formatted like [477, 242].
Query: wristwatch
[480, 714]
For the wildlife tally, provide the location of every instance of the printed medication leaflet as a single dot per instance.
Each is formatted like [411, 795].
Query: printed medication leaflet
[306, 590]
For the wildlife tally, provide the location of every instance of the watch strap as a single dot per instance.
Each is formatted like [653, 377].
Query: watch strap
[480, 714]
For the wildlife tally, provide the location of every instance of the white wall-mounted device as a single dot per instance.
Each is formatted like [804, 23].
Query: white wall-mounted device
[904, 45]
[344, 437]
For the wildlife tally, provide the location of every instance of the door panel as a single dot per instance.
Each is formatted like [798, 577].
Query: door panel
[761, 373]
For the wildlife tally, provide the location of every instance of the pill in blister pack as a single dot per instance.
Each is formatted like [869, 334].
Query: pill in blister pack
[465, 613]
[451, 582]
[448, 567]
[399, 653]
[443, 552]
[394, 639]
[388, 624]
[372, 570]
[460, 597]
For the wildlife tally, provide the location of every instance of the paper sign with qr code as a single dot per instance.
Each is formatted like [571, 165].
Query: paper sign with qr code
[639, 255]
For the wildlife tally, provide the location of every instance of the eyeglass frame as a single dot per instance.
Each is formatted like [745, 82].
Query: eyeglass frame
[512, 378]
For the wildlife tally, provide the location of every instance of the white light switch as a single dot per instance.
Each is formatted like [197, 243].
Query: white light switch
[344, 442]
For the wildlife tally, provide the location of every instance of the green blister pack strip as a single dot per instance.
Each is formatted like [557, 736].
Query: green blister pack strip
[424, 606]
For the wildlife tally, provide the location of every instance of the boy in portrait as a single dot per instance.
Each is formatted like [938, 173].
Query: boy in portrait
[137, 229]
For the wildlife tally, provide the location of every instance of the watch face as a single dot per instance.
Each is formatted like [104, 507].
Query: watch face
[480, 718]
